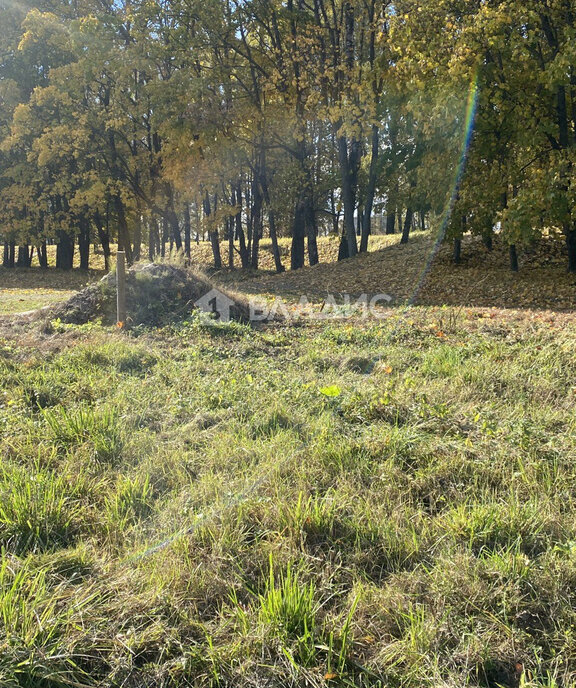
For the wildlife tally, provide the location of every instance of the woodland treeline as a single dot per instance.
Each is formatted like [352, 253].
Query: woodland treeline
[155, 124]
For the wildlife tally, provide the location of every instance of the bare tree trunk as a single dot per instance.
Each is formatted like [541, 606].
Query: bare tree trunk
[348, 173]
[64, 251]
[335, 215]
[175, 234]
[239, 230]
[370, 191]
[272, 227]
[298, 233]
[513, 254]
[299, 219]
[407, 226]
[213, 233]
[104, 238]
[137, 236]
[311, 229]
[457, 253]
[570, 236]
[256, 219]
[23, 260]
[42, 255]
[230, 232]
[153, 238]
[84, 242]
[164, 237]
[9, 254]
[123, 232]
[187, 230]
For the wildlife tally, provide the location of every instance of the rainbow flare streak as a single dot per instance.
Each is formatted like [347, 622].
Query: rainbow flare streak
[468, 132]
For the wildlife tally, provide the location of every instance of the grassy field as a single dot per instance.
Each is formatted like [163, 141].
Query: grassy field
[26, 289]
[374, 503]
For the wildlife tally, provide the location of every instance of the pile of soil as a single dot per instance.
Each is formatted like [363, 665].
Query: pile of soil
[156, 294]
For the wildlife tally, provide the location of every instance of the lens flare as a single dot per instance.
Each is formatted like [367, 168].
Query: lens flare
[468, 132]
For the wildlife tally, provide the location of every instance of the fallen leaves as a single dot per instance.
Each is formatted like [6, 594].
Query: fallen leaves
[482, 280]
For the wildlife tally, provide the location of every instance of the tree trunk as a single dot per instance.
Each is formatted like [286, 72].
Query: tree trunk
[391, 222]
[230, 233]
[123, 232]
[239, 230]
[187, 230]
[137, 237]
[407, 226]
[175, 234]
[42, 255]
[117, 202]
[311, 228]
[457, 253]
[23, 260]
[249, 221]
[256, 220]
[104, 238]
[153, 238]
[151, 243]
[65, 243]
[513, 255]
[84, 242]
[370, 192]
[390, 215]
[274, 238]
[300, 217]
[335, 214]
[343, 252]
[349, 156]
[213, 234]
[298, 233]
[64, 251]
[571, 246]
[9, 254]
[272, 227]
[197, 223]
[165, 234]
[348, 174]
[215, 243]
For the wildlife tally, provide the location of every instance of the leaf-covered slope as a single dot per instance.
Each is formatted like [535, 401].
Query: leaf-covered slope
[416, 271]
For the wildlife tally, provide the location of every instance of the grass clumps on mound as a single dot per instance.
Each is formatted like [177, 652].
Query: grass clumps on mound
[156, 294]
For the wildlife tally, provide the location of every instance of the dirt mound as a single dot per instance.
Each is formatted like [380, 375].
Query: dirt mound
[156, 294]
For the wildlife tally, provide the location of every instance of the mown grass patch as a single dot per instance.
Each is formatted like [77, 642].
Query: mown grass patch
[369, 504]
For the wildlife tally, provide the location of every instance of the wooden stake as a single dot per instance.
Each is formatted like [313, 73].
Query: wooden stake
[121, 289]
